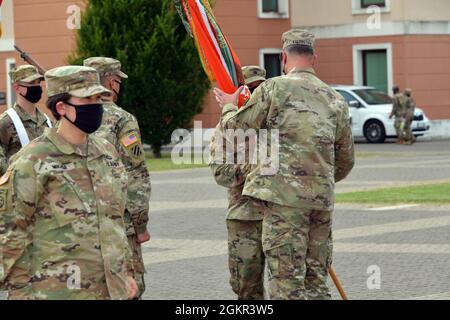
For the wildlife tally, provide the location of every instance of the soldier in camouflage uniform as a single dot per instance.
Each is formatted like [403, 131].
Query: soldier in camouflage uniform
[62, 202]
[254, 76]
[244, 218]
[26, 84]
[399, 112]
[315, 150]
[121, 129]
[410, 109]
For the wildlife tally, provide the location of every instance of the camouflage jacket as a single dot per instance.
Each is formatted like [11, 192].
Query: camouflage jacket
[63, 233]
[9, 140]
[315, 147]
[121, 129]
[410, 108]
[231, 173]
[399, 105]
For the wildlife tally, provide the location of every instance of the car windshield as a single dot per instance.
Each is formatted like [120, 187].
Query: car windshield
[373, 96]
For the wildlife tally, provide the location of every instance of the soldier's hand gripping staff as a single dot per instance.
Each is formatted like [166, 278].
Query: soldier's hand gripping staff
[63, 200]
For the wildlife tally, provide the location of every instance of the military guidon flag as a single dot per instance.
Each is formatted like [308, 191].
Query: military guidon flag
[219, 61]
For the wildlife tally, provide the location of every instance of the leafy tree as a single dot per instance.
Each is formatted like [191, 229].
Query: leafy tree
[166, 82]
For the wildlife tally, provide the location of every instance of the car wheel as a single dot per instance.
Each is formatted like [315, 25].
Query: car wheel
[374, 131]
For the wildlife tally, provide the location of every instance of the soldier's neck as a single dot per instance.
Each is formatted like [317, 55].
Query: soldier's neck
[109, 99]
[70, 133]
[27, 106]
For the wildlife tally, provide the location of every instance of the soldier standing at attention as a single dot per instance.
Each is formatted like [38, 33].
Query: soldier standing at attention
[244, 217]
[315, 150]
[24, 122]
[399, 112]
[121, 129]
[410, 109]
[62, 203]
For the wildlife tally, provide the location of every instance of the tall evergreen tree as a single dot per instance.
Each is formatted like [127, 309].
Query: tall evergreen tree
[166, 82]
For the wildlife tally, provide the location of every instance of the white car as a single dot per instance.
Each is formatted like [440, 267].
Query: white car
[370, 110]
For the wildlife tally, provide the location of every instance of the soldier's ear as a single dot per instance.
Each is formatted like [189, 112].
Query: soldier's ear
[315, 58]
[16, 87]
[61, 108]
[283, 57]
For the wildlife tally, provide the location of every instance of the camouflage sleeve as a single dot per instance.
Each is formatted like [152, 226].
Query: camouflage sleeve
[344, 146]
[394, 106]
[139, 185]
[223, 171]
[19, 191]
[227, 175]
[4, 138]
[3, 160]
[251, 116]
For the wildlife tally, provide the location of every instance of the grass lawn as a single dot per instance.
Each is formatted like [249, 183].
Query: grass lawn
[165, 163]
[425, 194]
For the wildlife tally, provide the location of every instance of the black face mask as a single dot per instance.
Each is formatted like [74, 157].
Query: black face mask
[34, 94]
[88, 117]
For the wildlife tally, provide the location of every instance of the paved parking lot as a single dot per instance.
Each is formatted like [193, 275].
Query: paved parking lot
[408, 245]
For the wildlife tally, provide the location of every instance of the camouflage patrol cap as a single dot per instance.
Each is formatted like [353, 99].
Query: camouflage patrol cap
[298, 37]
[78, 81]
[408, 90]
[253, 74]
[25, 74]
[105, 66]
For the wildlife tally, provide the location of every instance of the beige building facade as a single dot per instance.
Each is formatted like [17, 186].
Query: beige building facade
[44, 29]
[403, 42]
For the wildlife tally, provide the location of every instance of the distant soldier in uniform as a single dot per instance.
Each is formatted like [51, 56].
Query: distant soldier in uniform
[244, 217]
[315, 150]
[23, 122]
[254, 76]
[122, 130]
[399, 112]
[62, 203]
[410, 109]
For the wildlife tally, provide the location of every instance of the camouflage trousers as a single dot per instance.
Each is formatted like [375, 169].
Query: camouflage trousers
[246, 259]
[408, 134]
[297, 244]
[399, 125]
[138, 265]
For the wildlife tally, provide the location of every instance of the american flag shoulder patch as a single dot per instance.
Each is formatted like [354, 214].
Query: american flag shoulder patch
[130, 139]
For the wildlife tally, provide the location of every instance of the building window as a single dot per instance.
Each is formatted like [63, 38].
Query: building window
[273, 9]
[375, 69]
[368, 3]
[270, 6]
[362, 6]
[372, 66]
[7, 26]
[270, 60]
